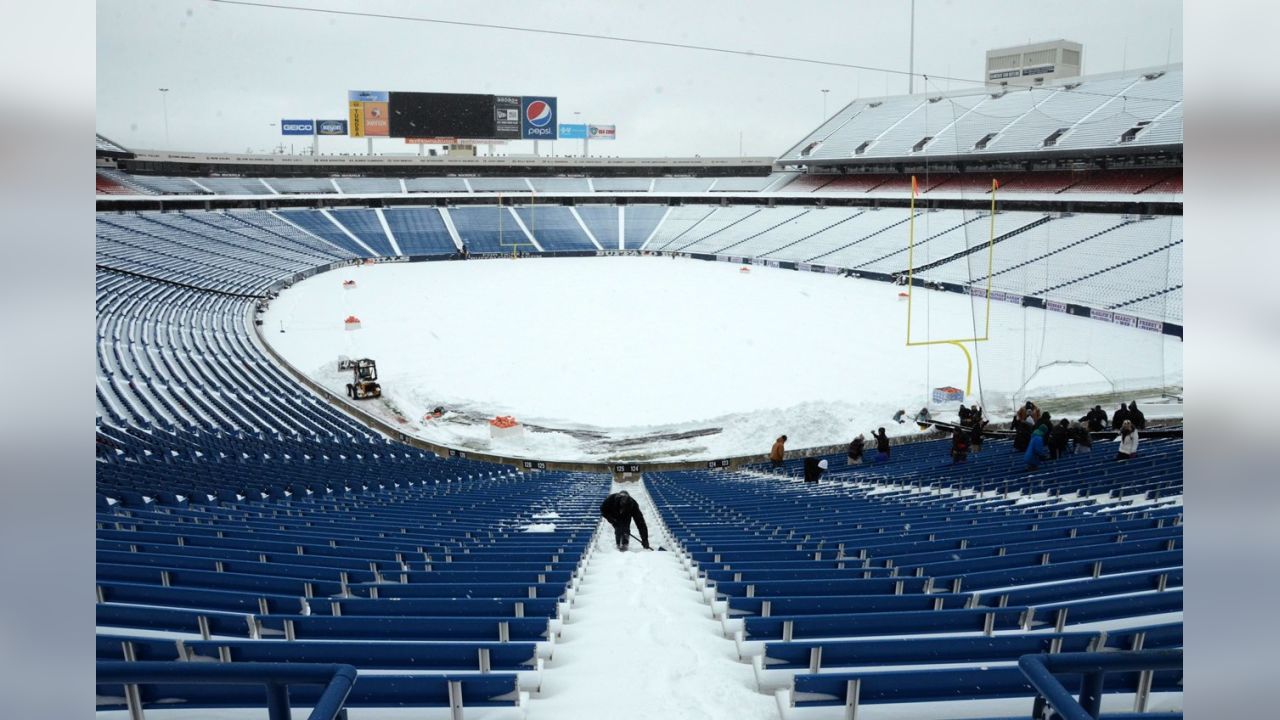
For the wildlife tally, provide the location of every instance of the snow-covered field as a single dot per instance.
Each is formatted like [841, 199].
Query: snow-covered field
[642, 358]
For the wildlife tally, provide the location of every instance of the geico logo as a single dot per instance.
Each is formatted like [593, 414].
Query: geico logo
[297, 126]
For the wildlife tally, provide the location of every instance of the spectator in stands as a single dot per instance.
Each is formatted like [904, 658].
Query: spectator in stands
[855, 450]
[1036, 450]
[882, 445]
[1120, 416]
[923, 418]
[1095, 419]
[813, 469]
[1059, 439]
[964, 414]
[620, 509]
[1081, 441]
[959, 445]
[1136, 416]
[776, 453]
[975, 432]
[1021, 431]
[1128, 441]
[898, 416]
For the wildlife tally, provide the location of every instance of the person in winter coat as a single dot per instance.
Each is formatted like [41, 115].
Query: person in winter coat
[620, 509]
[959, 446]
[813, 469]
[855, 450]
[1081, 441]
[975, 433]
[1128, 441]
[882, 445]
[775, 454]
[964, 415]
[897, 417]
[1059, 439]
[1036, 450]
[1094, 419]
[924, 419]
[1021, 431]
[1136, 416]
[1121, 414]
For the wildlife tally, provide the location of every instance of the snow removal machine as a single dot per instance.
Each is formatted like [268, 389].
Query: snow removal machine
[364, 378]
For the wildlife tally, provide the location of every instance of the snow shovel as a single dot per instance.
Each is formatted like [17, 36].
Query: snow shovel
[633, 536]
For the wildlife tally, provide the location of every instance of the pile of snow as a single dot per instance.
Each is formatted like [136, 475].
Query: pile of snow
[540, 528]
[551, 515]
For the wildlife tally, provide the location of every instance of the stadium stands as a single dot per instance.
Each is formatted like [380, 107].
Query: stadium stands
[1072, 114]
[420, 231]
[603, 221]
[927, 580]
[242, 519]
[555, 227]
[489, 229]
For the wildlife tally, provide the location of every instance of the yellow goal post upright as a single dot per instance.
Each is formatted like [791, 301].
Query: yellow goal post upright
[522, 240]
[958, 342]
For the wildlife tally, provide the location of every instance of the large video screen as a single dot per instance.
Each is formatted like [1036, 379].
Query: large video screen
[416, 114]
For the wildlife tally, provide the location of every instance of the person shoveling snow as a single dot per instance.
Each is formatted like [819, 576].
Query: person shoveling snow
[620, 509]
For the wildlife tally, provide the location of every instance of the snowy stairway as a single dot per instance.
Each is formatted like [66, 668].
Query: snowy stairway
[1148, 296]
[1062, 249]
[969, 251]
[797, 241]
[953, 228]
[642, 643]
[865, 237]
[1110, 268]
[713, 233]
[762, 232]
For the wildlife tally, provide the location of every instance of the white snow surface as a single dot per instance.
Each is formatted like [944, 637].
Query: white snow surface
[640, 644]
[540, 528]
[586, 352]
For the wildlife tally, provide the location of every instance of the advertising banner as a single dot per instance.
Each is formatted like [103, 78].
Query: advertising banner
[603, 132]
[538, 118]
[297, 127]
[506, 117]
[331, 127]
[570, 131]
[367, 113]
[431, 141]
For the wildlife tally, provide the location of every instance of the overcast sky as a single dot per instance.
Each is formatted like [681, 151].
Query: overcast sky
[233, 70]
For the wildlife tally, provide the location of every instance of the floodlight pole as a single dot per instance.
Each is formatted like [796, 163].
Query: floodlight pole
[824, 103]
[911, 50]
[164, 103]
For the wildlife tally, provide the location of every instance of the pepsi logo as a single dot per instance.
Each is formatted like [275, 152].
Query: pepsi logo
[538, 113]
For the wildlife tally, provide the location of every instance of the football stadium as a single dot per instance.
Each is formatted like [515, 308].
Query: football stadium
[441, 407]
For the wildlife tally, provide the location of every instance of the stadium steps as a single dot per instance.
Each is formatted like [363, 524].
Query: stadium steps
[866, 237]
[1064, 248]
[969, 251]
[1148, 296]
[762, 232]
[1096, 273]
[717, 232]
[922, 242]
[816, 232]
